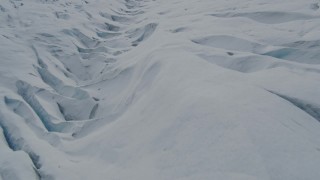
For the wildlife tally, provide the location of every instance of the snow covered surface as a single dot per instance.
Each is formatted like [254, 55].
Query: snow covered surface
[159, 90]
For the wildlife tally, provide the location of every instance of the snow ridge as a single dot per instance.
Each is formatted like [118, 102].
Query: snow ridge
[171, 89]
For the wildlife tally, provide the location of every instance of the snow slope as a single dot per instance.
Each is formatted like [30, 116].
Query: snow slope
[170, 89]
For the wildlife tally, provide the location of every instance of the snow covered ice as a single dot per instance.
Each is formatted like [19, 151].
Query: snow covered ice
[159, 89]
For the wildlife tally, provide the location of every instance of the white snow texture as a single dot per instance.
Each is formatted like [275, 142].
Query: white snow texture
[159, 90]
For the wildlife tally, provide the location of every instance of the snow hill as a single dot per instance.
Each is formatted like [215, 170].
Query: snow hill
[159, 90]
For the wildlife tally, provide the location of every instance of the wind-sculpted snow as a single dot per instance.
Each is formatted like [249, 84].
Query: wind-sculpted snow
[158, 90]
[270, 17]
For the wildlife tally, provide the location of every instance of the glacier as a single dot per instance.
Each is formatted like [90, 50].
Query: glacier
[159, 89]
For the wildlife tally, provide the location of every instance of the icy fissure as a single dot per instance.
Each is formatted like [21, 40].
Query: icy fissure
[150, 89]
